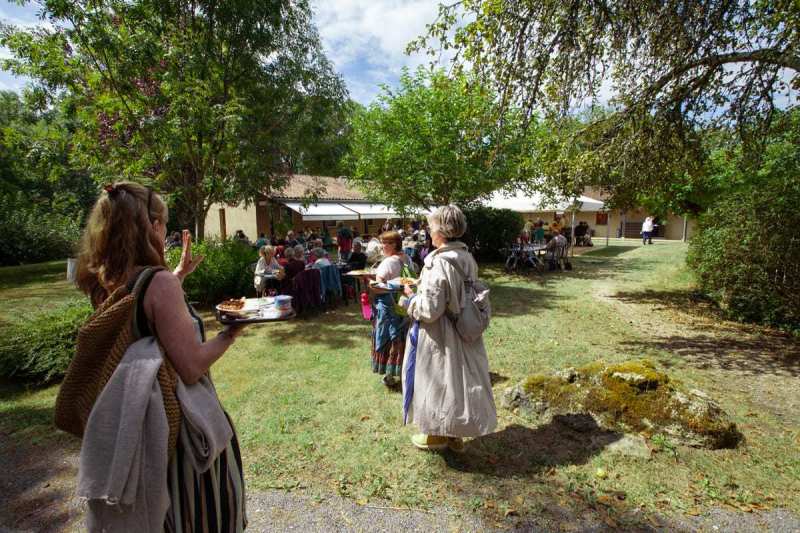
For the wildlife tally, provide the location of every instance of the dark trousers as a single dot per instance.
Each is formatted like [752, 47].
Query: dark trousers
[647, 237]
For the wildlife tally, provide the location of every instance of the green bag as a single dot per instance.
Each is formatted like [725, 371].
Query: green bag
[405, 272]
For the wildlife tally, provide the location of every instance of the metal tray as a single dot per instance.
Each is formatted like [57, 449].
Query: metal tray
[226, 319]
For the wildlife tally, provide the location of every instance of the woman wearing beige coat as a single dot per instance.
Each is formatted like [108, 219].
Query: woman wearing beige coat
[446, 385]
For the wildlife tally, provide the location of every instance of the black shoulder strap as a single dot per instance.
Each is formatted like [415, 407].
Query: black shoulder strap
[140, 326]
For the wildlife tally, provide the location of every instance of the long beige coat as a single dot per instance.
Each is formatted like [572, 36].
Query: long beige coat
[452, 390]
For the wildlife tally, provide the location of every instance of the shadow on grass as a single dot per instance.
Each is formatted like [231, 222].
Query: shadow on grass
[679, 299]
[14, 276]
[37, 477]
[724, 345]
[755, 355]
[608, 251]
[521, 300]
[522, 451]
[519, 457]
[339, 328]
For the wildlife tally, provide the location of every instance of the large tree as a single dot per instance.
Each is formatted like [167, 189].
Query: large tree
[35, 160]
[200, 98]
[432, 141]
[672, 68]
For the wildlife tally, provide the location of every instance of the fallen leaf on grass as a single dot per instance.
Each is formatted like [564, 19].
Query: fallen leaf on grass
[606, 500]
[489, 504]
[362, 501]
[694, 511]
[364, 418]
[510, 512]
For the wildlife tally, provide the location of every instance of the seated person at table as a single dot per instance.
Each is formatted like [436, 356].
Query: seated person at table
[295, 263]
[321, 258]
[558, 241]
[583, 234]
[374, 250]
[358, 259]
[290, 239]
[280, 255]
[267, 264]
[312, 248]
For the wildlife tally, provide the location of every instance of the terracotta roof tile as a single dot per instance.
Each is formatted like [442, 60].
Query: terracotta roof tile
[301, 186]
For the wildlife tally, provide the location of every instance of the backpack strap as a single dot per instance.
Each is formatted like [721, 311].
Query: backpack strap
[138, 289]
[467, 284]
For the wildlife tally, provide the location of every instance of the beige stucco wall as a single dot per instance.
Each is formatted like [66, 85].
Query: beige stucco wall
[237, 217]
[673, 226]
[256, 218]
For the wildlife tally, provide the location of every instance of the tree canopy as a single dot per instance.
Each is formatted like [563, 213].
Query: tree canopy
[672, 69]
[434, 140]
[208, 101]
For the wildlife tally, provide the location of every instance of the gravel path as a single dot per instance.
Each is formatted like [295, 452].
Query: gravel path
[280, 511]
[274, 511]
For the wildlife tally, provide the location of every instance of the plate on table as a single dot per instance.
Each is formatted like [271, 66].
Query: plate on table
[359, 273]
[399, 283]
[378, 286]
[252, 311]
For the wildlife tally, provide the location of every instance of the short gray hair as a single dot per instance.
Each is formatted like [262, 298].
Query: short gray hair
[299, 251]
[449, 221]
[319, 252]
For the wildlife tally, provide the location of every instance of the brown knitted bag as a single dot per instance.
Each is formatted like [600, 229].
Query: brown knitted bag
[102, 342]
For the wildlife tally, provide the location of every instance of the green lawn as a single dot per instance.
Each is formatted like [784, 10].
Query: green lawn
[312, 417]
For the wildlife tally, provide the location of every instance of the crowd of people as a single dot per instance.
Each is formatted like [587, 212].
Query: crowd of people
[170, 460]
[541, 232]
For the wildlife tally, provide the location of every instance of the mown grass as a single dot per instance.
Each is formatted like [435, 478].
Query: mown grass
[312, 417]
[28, 289]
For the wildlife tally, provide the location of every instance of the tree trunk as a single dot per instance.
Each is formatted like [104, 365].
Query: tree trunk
[200, 212]
[200, 229]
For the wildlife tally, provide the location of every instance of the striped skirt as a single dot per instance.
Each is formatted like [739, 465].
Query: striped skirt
[208, 502]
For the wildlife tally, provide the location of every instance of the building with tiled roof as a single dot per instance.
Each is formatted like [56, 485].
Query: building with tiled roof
[302, 186]
[290, 207]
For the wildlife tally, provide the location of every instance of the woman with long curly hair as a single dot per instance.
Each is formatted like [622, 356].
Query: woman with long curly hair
[124, 236]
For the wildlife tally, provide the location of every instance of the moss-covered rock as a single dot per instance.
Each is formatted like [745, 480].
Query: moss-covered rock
[632, 397]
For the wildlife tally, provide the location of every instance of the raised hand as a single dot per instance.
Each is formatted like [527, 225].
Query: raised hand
[188, 263]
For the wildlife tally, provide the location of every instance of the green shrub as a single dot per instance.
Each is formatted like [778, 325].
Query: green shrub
[41, 348]
[490, 230]
[31, 234]
[746, 254]
[224, 273]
